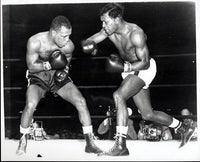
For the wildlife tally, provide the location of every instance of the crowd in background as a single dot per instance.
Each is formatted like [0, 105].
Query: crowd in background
[138, 130]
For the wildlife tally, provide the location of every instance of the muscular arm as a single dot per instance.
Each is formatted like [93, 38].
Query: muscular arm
[69, 58]
[98, 37]
[141, 50]
[32, 56]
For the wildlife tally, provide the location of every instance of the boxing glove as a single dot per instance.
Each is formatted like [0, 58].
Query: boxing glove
[103, 127]
[114, 64]
[57, 60]
[89, 46]
[60, 76]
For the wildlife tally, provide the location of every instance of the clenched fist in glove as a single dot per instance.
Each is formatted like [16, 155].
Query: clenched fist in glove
[61, 76]
[57, 60]
[114, 64]
[89, 46]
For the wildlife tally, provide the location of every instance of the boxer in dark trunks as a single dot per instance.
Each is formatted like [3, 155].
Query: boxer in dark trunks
[48, 58]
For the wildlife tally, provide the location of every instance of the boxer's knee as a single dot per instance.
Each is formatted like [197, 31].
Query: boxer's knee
[118, 97]
[148, 116]
[80, 103]
[30, 107]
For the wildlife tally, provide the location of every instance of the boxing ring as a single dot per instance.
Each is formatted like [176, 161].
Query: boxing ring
[73, 150]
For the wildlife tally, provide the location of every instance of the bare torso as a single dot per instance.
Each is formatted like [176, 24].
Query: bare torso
[124, 43]
[47, 46]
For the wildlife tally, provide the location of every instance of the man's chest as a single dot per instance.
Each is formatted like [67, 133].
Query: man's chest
[125, 47]
[45, 52]
[47, 49]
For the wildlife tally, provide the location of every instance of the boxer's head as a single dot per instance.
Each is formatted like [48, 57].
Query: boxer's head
[111, 15]
[60, 29]
[113, 9]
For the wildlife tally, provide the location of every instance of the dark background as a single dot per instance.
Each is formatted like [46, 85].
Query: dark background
[170, 28]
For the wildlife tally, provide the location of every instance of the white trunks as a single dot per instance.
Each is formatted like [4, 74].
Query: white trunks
[146, 75]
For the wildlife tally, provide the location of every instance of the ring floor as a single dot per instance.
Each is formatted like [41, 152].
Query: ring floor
[73, 150]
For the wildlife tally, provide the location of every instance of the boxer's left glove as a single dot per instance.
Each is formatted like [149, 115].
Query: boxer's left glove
[57, 60]
[89, 46]
[114, 64]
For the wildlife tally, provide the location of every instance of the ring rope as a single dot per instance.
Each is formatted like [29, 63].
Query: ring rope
[94, 116]
[113, 86]
[104, 57]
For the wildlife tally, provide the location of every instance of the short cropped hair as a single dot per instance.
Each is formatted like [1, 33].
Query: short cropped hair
[114, 10]
[60, 21]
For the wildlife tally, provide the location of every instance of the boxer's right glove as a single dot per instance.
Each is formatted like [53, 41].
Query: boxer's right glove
[114, 64]
[61, 76]
[89, 46]
[57, 60]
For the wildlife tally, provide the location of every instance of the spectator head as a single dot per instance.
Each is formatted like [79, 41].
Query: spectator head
[185, 112]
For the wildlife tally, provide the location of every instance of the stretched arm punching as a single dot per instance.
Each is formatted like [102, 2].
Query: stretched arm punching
[89, 44]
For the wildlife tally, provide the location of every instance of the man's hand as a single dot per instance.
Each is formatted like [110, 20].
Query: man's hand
[89, 46]
[57, 60]
[114, 64]
[46, 65]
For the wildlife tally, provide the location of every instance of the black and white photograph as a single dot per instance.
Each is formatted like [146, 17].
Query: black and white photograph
[100, 80]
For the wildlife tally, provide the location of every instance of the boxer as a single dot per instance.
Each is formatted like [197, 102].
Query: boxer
[138, 70]
[48, 59]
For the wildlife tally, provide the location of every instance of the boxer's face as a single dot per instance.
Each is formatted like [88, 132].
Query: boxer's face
[108, 23]
[62, 36]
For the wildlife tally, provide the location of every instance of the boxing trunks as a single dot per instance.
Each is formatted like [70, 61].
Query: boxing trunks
[45, 80]
[146, 75]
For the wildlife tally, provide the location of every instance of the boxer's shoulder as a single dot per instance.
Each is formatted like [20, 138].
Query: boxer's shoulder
[42, 36]
[38, 40]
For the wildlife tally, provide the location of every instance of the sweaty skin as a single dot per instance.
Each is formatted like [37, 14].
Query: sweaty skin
[45, 79]
[41, 45]
[130, 40]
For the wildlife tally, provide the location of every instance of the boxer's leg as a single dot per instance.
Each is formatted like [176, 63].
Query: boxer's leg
[33, 95]
[130, 86]
[142, 101]
[70, 93]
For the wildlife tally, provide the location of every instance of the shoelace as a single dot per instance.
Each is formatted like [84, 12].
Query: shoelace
[117, 142]
[23, 140]
[92, 136]
[23, 136]
[187, 123]
[119, 135]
